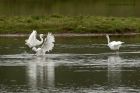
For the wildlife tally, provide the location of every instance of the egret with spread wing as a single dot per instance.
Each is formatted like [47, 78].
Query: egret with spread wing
[114, 45]
[32, 41]
[46, 46]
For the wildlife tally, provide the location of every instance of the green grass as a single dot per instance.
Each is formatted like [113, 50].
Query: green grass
[68, 24]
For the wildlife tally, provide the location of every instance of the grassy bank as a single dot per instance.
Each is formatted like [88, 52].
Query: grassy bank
[68, 24]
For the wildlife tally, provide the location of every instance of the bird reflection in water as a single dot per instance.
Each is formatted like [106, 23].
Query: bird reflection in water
[114, 70]
[41, 73]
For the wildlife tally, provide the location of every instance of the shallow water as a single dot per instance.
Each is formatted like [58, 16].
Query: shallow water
[76, 65]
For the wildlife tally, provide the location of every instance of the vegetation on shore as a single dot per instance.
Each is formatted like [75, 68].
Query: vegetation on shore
[68, 24]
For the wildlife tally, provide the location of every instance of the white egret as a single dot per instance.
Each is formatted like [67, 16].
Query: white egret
[32, 41]
[46, 46]
[114, 45]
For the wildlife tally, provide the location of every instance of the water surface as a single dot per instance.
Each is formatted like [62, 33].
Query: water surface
[76, 65]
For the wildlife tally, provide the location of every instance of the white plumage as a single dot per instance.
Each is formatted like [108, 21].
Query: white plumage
[114, 45]
[47, 45]
[32, 41]
[48, 42]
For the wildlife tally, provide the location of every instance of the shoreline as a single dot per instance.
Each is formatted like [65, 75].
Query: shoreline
[69, 24]
[72, 34]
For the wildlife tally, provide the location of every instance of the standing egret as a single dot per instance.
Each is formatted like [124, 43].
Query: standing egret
[32, 41]
[113, 45]
[46, 46]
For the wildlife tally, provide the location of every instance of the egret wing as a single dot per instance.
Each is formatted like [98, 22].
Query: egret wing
[48, 43]
[32, 39]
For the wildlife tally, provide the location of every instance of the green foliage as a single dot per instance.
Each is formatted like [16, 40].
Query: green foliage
[69, 24]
